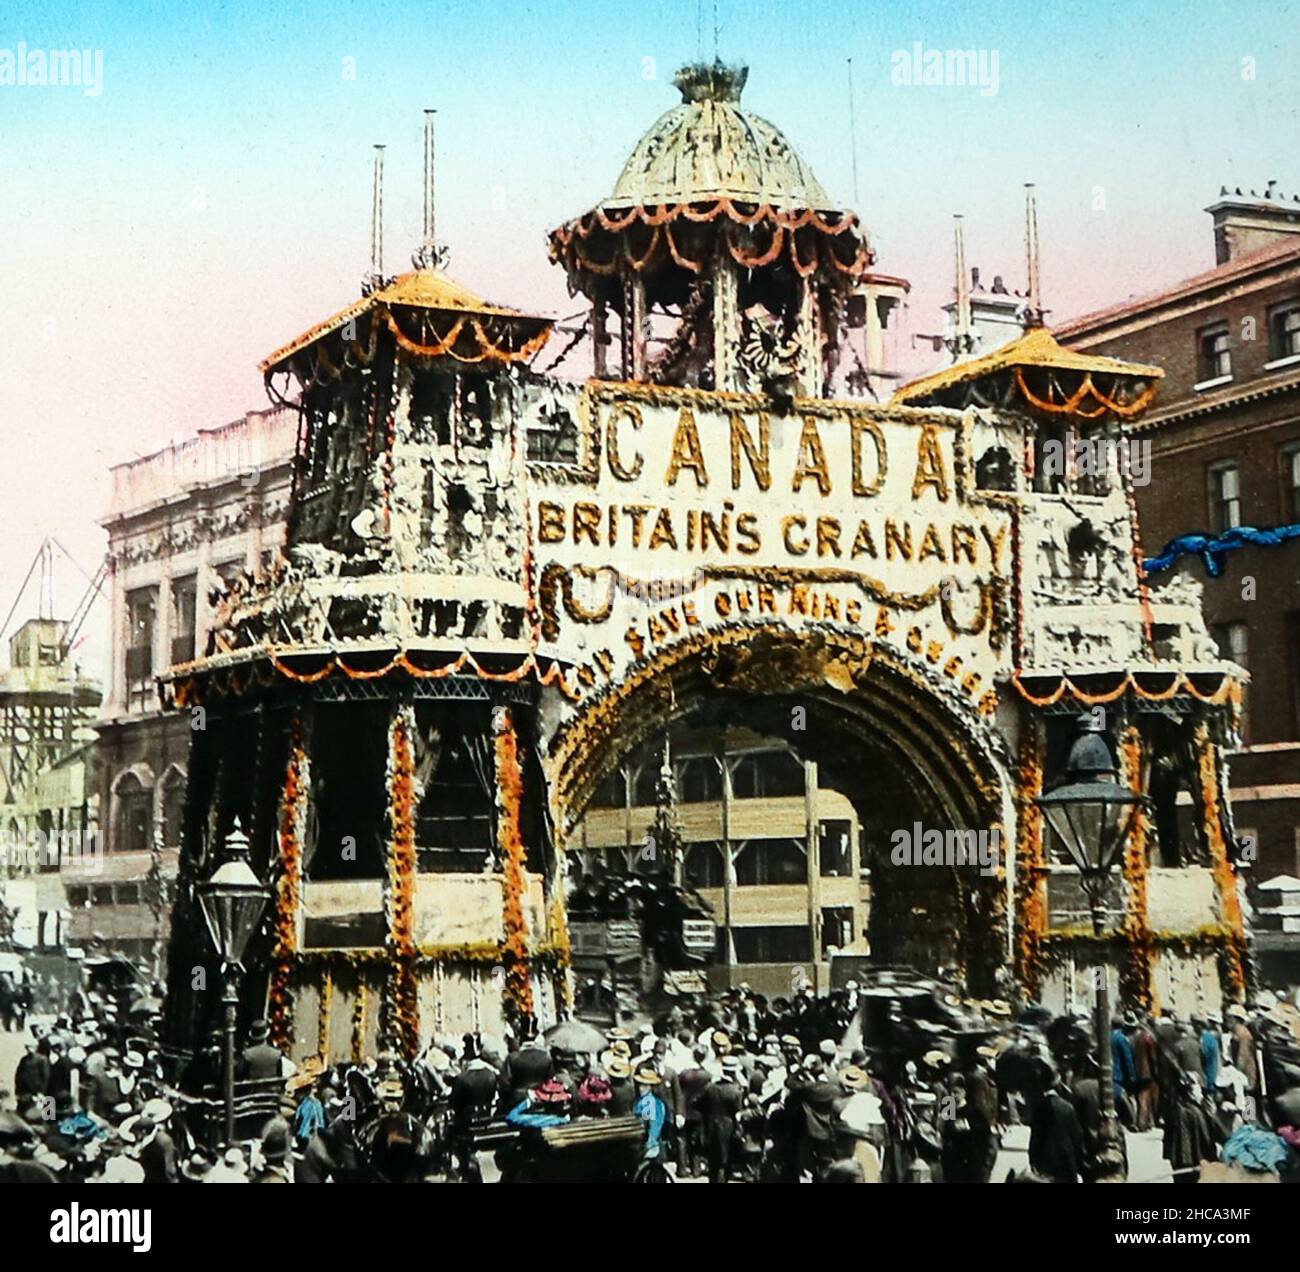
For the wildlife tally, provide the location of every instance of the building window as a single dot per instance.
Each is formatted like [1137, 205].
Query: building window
[1291, 482]
[1214, 358]
[185, 606]
[1293, 666]
[771, 861]
[134, 827]
[699, 780]
[767, 775]
[837, 928]
[645, 785]
[173, 806]
[1233, 643]
[1284, 331]
[1225, 495]
[836, 855]
[772, 944]
[127, 894]
[704, 866]
[612, 792]
[141, 615]
[77, 897]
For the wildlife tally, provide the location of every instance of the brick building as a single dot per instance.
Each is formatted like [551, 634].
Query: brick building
[1225, 451]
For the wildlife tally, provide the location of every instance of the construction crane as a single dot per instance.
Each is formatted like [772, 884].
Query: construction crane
[43, 701]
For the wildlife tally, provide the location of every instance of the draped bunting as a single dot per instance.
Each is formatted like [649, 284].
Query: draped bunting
[602, 243]
[485, 347]
[1152, 686]
[1088, 401]
[545, 672]
[1212, 548]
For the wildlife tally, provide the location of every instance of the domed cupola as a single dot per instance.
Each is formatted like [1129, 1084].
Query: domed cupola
[724, 260]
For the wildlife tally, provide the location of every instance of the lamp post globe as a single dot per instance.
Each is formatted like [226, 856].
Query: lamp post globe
[1092, 814]
[233, 900]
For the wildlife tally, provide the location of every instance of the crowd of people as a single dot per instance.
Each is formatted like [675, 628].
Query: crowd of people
[729, 1088]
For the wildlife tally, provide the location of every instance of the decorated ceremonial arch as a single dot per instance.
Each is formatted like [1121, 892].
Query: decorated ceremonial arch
[498, 583]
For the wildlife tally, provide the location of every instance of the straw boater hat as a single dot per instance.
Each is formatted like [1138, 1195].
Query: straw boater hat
[999, 1007]
[789, 1040]
[855, 1078]
[936, 1058]
[138, 1130]
[120, 1170]
[437, 1060]
[721, 1041]
[646, 1076]
[731, 1065]
[618, 1068]
[196, 1167]
[989, 1053]
[618, 1034]
[1237, 1012]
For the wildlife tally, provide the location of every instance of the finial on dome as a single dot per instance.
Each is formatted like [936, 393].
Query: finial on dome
[711, 81]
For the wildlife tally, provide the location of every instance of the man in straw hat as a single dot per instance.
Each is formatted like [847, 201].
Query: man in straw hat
[650, 1107]
[720, 1104]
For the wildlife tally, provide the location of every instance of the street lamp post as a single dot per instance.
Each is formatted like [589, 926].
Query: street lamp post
[233, 899]
[1092, 814]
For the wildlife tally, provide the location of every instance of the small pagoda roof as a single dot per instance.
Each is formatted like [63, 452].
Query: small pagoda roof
[1036, 351]
[428, 290]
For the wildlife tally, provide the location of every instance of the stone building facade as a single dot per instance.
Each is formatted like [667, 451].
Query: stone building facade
[182, 522]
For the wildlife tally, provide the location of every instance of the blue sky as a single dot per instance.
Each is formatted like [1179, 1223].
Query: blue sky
[159, 238]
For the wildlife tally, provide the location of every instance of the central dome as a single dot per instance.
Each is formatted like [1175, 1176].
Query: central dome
[708, 149]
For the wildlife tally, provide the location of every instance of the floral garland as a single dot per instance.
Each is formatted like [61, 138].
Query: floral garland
[326, 1010]
[1232, 958]
[558, 941]
[510, 785]
[556, 953]
[1098, 402]
[487, 349]
[293, 809]
[1209, 938]
[1137, 974]
[1179, 682]
[404, 1021]
[1031, 901]
[809, 238]
[360, 1006]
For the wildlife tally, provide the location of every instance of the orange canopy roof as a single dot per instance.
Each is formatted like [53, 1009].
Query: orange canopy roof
[419, 289]
[1036, 348]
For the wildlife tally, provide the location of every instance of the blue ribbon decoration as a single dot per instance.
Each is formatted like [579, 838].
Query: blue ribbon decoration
[1212, 548]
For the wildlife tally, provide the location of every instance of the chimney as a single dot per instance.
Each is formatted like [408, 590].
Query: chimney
[1245, 223]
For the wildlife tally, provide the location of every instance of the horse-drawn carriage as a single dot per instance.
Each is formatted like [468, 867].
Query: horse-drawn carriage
[584, 1151]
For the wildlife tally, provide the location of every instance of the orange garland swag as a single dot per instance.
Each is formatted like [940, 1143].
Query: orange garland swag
[509, 796]
[293, 808]
[1031, 906]
[1137, 975]
[1232, 957]
[404, 1004]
